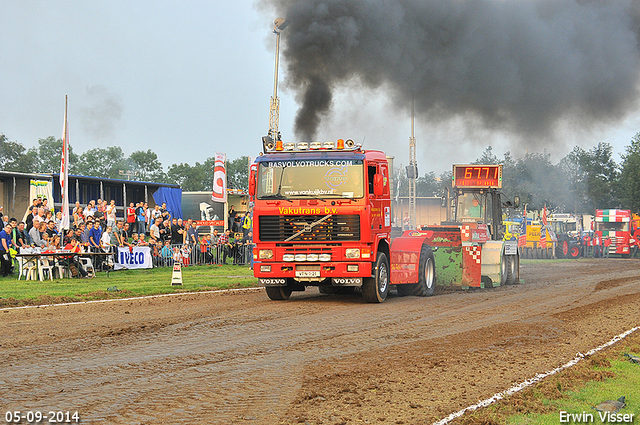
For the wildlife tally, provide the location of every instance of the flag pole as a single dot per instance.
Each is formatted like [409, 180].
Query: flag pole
[64, 169]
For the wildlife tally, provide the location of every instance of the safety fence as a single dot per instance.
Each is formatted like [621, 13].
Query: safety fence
[200, 254]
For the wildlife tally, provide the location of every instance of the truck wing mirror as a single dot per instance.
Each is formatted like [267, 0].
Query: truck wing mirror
[377, 184]
[252, 183]
[516, 201]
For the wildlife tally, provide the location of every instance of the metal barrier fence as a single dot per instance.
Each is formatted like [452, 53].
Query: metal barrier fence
[199, 254]
[190, 255]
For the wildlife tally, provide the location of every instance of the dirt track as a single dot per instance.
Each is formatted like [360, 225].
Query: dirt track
[240, 358]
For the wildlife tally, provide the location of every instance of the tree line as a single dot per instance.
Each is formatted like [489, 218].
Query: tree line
[112, 163]
[582, 181]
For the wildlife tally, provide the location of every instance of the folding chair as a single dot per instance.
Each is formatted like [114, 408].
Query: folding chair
[44, 266]
[27, 268]
[87, 264]
[60, 268]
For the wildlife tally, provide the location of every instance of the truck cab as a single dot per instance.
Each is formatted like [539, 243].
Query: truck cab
[322, 215]
[616, 225]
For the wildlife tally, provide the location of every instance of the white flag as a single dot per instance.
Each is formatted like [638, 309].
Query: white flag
[64, 171]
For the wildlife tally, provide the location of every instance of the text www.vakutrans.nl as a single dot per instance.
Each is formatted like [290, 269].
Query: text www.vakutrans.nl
[586, 418]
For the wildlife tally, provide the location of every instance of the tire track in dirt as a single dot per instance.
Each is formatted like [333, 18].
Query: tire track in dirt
[237, 358]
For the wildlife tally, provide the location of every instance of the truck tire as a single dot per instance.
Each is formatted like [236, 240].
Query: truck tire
[278, 293]
[426, 273]
[376, 288]
[513, 277]
[504, 269]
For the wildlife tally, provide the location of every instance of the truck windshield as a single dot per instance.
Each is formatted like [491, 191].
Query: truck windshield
[316, 178]
[615, 226]
[470, 207]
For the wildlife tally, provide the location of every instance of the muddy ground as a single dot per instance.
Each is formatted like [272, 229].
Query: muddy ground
[239, 358]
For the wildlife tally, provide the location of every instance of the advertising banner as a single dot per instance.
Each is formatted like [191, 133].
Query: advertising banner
[138, 257]
[220, 179]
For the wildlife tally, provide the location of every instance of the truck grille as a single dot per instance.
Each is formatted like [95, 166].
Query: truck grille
[334, 228]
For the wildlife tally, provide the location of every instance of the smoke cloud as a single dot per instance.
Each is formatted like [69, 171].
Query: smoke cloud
[520, 67]
[103, 112]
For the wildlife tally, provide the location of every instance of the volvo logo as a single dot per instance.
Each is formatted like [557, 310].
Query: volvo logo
[347, 281]
[273, 282]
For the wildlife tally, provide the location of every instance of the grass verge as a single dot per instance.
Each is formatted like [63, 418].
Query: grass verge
[607, 375]
[129, 283]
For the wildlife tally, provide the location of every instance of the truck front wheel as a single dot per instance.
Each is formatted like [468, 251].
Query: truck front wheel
[278, 292]
[376, 288]
[513, 270]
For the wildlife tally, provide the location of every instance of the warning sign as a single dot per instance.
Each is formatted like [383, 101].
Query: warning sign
[176, 277]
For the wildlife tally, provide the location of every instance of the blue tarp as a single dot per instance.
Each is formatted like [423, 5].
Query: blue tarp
[173, 198]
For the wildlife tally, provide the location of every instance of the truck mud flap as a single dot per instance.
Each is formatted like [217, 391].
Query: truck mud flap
[273, 282]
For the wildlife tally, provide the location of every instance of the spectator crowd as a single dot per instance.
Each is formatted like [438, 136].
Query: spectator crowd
[97, 228]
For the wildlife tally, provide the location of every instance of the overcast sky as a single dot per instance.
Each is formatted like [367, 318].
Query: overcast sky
[188, 79]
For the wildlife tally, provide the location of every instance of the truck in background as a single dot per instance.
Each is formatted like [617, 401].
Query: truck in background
[617, 225]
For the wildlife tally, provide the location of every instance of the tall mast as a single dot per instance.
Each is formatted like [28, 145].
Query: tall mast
[413, 175]
[274, 108]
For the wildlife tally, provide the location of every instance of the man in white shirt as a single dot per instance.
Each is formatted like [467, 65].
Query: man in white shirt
[90, 209]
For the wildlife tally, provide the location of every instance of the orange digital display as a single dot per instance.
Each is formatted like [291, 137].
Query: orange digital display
[477, 176]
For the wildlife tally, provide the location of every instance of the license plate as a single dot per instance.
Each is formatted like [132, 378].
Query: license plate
[307, 273]
[510, 248]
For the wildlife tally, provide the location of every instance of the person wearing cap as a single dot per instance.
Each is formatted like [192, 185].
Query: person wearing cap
[5, 257]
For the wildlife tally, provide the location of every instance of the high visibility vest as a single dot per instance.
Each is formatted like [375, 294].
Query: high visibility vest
[246, 223]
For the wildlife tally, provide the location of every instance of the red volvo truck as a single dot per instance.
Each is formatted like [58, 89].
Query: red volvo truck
[322, 217]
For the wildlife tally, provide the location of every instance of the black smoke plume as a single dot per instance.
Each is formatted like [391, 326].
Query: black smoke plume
[513, 65]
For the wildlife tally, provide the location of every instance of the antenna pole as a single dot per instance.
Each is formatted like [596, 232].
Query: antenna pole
[414, 174]
[274, 109]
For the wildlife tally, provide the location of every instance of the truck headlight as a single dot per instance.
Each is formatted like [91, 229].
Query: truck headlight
[287, 257]
[312, 257]
[324, 257]
[265, 254]
[352, 253]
